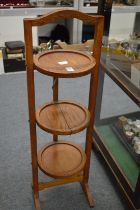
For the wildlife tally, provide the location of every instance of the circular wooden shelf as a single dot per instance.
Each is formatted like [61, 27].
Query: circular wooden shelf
[62, 117]
[61, 159]
[64, 63]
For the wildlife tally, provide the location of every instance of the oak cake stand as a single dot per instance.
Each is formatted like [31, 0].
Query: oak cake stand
[65, 161]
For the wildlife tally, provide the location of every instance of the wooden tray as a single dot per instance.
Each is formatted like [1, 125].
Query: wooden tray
[64, 63]
[61, 159]
[62, 117]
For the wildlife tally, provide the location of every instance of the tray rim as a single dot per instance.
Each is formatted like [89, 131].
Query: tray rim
[59, 131]
[66, 174]
[88, 70]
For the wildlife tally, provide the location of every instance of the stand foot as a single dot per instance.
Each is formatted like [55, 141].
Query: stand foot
[88, 193]
[37, 202]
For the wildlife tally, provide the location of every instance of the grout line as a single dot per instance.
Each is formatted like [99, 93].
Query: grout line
[65, 117]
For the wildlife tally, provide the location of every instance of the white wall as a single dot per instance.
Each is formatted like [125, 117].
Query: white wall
[11, 29]
[122, 25]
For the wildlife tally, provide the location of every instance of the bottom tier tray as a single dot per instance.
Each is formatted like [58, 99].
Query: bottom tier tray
[61, 159]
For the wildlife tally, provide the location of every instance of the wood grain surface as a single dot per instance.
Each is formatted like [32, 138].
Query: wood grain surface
[64, 63]
[62, 117]
[61, 159]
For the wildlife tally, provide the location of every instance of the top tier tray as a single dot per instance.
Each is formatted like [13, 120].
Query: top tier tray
[64, 63]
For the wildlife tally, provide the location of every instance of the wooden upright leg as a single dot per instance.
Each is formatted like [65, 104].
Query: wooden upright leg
[35, 185]
[37, 203]
[89, 134]
[88, 148]
[33, 137]
[88, 193]
[84, 184]
[55, 98]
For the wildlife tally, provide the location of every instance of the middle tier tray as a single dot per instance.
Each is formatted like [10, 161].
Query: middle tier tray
[62, 117]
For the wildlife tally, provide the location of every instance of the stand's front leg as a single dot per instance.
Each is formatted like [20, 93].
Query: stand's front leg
[37, 202]
[84, 183]
[88, 193]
